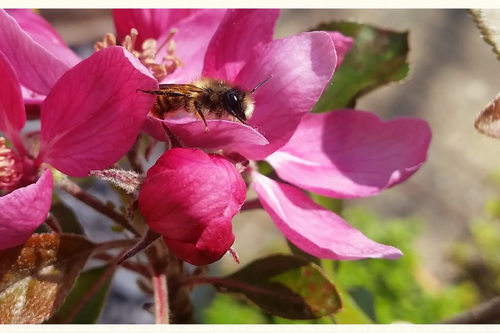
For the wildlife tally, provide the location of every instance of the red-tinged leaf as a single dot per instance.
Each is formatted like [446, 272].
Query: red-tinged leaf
[284, 286]
[91, 310]
[488, 120]
[36, 277]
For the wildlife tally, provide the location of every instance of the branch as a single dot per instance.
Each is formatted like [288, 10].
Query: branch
[130, 265]
[77, 192]
[485, 313]
[133, 156]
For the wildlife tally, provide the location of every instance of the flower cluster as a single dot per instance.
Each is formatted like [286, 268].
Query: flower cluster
[91, 115]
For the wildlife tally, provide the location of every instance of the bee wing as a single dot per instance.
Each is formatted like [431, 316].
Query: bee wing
[179, 89]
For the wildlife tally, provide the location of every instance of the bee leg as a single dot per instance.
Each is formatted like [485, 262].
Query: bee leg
[199, 112]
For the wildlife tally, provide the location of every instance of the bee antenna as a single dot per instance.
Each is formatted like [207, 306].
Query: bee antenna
[260, 84]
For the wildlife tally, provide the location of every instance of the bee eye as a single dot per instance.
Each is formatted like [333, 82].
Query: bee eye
[232, 105]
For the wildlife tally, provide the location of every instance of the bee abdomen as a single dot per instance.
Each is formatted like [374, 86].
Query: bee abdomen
[167, 104]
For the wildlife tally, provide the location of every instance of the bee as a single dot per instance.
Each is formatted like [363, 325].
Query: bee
[207, 98]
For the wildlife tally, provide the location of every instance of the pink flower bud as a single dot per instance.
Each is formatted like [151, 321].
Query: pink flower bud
[190, 198]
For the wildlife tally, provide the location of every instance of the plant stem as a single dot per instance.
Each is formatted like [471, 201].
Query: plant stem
[77, 192]
[485, 313]
[130, 265]
[180, 303]
[52, 224]
[133, 155]
[161, 299]
[115, 244]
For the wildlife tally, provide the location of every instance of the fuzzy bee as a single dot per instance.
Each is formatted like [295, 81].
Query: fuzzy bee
[205, 97]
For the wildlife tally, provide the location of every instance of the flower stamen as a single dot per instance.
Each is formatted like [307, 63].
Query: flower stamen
[11, 167]
[168, 64]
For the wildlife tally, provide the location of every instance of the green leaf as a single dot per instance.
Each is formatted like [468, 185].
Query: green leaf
[488, 23]
[351, 312]
[377, 58]
[364, 299]
[284, 286]
[65, 216]
[225, 309]
[36, 277]
[90, 312]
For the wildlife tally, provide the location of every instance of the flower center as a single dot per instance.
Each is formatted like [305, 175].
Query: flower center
[11, 167]
[160, 68]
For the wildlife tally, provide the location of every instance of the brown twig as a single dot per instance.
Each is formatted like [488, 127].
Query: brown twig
[52, 224]
[485, 313]
[130, 265]
[133, 156]
[115, 244]
[77, 192]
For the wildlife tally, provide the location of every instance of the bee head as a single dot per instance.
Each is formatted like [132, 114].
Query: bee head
[234, 102]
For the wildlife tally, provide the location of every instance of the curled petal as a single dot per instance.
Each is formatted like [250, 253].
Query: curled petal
[223, 134]
[150, 23]
[37, 68]
[314, 229]
[24, 210]
[302, 66]
[93, 115]
[191, 40]
[342, 45]
[246, 31]
[352, 154]
[190, 198]
[12, 114]
[42, 32]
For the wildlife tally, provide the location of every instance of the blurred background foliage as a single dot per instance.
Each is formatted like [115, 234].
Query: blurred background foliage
[394, 291]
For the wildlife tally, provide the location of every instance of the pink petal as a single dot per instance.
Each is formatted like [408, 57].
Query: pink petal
[12, 114]
[37, 68]
[223, 134]
[190, 198]
[194, 34]
[42, 32]
[241, 33]
[352, 154]
[153, 127]
[301, 66]
[23, 211]
[150, 23]
[93, 114]
[342, 44]
[314, 229]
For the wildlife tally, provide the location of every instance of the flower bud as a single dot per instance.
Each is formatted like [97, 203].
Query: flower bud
[190, 198]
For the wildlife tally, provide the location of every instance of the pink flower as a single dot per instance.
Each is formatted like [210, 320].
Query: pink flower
[341, 154]
[91, 117]
[40, 55]
[190, 198]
